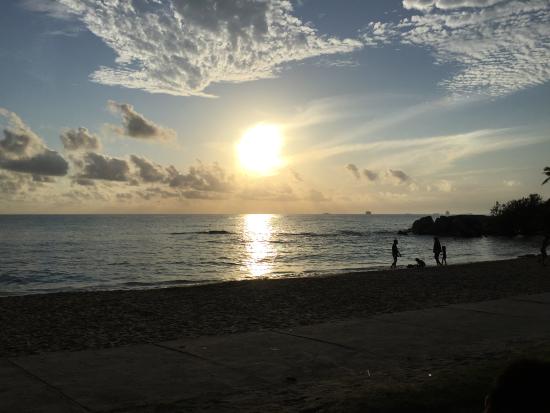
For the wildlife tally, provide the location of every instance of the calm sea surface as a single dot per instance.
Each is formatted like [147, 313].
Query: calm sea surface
[75, 252]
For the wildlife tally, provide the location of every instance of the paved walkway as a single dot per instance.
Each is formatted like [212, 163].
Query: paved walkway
[144, 377]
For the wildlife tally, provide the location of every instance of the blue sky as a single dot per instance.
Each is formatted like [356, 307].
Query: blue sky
[391, 106]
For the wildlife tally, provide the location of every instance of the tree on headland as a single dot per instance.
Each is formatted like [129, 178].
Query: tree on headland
[527, 216]
[547, 173]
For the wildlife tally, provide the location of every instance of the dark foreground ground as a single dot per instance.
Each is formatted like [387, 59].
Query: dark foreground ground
[85, 320]
[441, 359]
[321, 344]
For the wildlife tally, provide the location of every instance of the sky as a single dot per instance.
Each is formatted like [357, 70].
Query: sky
[272, 106]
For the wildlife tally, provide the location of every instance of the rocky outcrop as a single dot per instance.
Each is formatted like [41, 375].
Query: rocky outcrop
[455, 225]
[424, 226]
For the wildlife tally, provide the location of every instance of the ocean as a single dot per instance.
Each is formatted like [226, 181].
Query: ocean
[52, 253]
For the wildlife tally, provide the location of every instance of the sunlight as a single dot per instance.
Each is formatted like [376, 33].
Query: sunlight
[259, 150]
[257, 234]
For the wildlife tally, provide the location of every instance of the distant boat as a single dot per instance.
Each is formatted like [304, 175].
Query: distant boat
[368, 213]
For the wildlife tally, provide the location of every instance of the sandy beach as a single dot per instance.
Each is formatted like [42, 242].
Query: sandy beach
[85, 320]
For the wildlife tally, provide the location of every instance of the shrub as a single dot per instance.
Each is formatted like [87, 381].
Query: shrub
[527, 216]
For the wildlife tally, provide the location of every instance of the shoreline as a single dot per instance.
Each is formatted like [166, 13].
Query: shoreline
[307, 274]
[98, 319]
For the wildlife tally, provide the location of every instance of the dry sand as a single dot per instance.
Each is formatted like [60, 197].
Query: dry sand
[74, 321]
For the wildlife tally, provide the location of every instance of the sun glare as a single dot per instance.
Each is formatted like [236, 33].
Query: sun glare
[259, 150]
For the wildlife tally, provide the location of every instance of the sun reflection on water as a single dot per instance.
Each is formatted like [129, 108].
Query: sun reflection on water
[257, 232]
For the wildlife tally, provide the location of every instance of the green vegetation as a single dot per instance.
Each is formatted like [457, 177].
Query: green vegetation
[526, 216]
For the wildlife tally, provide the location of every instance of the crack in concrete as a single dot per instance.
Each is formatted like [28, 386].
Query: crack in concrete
[50, 386]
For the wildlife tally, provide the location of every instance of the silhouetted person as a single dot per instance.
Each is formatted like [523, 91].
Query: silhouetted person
[437, 250]
[420, 263]
[395, 253]
[444, 255]
[522, 387]
[543, 253]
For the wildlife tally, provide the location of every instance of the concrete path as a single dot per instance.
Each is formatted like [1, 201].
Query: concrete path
[148, 377]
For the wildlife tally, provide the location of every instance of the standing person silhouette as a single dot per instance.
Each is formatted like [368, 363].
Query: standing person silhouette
[543, 253]
[437, 250]
[395, 253]
[444, 257]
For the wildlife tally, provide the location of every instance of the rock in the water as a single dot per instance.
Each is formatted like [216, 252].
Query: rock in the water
[423, 226]
[456, 226]
[461, 225]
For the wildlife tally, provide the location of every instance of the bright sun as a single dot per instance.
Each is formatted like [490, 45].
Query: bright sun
[259, 150]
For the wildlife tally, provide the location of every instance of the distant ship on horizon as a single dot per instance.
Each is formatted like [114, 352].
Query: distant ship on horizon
[368, 213]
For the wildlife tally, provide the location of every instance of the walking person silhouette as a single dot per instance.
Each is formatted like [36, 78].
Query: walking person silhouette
[395, 253]
[444, 255]
[543, 253]
[437, 250]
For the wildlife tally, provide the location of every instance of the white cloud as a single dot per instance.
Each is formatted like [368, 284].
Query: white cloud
[398, 176]
[204, 178]
[447, 4]
[148, 171]
[497, 47]
[511, 182]
[50, 7]
[135, 125]
[78, 139]
[443, 185]
[102, 167]
[317, 196]
[354, 170]
[370, 175]
[23, 151]
[180, 47]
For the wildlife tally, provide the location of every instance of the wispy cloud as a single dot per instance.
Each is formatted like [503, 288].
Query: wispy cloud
[447, 4]
[497, 47]
[182, 47]
[427, 154]
[375, 122]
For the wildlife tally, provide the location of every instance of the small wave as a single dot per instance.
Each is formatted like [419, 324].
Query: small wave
[302, 234]
[163, 283]
[10, 279]
[218, 263]
[211, 232]
[325, 234]
[352, 233]
[119, 263]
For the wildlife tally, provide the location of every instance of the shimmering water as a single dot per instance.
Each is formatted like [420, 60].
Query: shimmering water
[76, 252]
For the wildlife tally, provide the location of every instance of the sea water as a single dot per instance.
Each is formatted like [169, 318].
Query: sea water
[49, 253]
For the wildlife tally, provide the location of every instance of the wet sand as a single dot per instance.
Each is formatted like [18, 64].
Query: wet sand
[83, 320]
